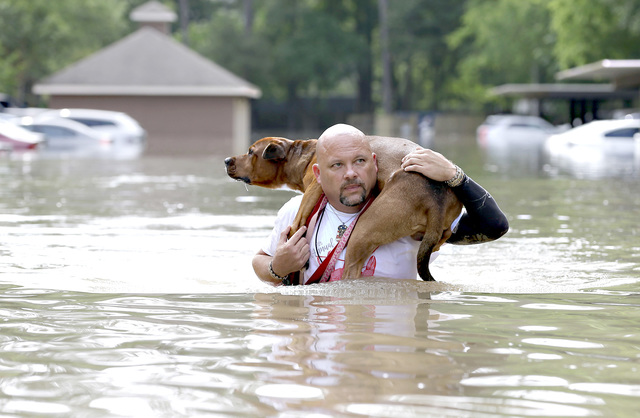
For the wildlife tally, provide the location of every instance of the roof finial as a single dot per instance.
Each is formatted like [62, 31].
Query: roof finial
[154, 14]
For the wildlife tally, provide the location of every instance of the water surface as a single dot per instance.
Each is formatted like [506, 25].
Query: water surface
[127, 290]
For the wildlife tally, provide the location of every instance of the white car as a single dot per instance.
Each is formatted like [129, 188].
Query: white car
[514, 130]
[605, 137]
[66, 135]
[122, 128]
[16, 138]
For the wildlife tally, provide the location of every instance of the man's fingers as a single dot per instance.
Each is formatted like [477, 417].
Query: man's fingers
[283, 235]
[299, 234]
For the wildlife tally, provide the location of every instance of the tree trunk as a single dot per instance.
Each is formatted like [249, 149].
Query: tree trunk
[248, 16]
[184, 20]
[386, 59]
[365, 23]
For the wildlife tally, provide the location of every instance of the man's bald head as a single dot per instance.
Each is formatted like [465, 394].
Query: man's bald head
[346, 168]
[340, 133]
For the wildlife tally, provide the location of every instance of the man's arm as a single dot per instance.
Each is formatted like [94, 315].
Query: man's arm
[483, 220]
[291, 255]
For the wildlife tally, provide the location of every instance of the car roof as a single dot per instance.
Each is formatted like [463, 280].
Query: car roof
[510, 118]
[62, 122]
[87, 113]
[602, 126]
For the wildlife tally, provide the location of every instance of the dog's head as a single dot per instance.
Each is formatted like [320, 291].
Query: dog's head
[262, 164]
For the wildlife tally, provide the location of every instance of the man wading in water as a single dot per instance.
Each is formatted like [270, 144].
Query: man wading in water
[347, 172]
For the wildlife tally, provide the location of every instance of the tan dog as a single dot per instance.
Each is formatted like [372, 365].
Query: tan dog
[408, 204]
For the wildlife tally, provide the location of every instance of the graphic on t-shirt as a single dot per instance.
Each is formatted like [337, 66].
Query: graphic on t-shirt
[369, 270]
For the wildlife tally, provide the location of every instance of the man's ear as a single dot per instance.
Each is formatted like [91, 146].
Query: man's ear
[274, 151]
[375, 160]
[316, 172]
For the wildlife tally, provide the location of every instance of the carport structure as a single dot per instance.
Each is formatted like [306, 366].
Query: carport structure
[584, 99]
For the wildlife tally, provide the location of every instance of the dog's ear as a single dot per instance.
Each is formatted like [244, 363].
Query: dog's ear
[274, 151]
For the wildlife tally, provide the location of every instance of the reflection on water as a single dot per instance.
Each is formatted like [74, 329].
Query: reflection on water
[424, 354]
[127, 290]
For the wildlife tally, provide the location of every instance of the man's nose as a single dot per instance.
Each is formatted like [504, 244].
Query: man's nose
[350, 173]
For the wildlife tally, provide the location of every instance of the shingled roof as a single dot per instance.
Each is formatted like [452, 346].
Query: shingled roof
[146, 63]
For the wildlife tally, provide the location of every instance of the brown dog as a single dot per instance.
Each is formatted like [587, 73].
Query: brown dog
[408, 204]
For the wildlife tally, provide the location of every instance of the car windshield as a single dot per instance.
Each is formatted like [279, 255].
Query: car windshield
[54, 131]
[623, 133]
[94, 122]
[525, 125]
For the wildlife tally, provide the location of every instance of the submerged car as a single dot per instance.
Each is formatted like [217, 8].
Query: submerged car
[122, 128]
[608, 137]
[16, 138]
[66, 135]
[514, 130]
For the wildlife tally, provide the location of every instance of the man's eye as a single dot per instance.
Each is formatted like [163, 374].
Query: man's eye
[337, 165]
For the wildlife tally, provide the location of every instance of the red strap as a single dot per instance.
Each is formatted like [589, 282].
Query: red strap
[319, 273]
[294, 277]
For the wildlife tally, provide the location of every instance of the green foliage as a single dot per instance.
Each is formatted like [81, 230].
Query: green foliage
[445, 54]
[222, 39]
[293, 49]
[592, 30]
[423, 61]
[39, 37]
[502, 41]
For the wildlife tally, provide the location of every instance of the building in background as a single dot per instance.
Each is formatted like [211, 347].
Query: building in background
[187, 103]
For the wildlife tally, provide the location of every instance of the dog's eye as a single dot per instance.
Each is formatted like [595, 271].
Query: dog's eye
[250, 151]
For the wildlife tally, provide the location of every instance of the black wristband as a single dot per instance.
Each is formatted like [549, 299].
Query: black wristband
[273, 273]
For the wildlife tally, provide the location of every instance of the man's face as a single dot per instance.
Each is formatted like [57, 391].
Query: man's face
[347, 171]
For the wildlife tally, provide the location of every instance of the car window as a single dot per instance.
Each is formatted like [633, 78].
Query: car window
[525, 125]
[55, 131]
[94, 122]
[623, 133]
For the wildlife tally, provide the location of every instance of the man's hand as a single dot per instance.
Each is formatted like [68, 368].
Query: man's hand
[430, 164]
[292, 254]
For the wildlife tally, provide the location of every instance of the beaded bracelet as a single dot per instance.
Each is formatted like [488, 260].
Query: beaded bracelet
[273, 273]
[457, 179]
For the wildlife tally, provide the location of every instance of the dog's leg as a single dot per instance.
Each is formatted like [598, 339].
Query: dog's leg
[309, 200]
[396, 213]
[409, 205]
[434, 237]
[429, 242]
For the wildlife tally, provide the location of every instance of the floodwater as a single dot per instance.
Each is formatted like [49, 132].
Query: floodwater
[126, 290]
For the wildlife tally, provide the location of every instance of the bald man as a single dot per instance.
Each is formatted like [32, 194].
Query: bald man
[347, 170]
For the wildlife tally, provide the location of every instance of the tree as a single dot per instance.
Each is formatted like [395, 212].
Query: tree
[502, 41]
[592, 30]
[294, 49]
[39, 37]
[359, 18]
[423, 61]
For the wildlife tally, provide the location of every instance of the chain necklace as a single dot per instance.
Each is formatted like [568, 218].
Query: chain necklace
[342, 227]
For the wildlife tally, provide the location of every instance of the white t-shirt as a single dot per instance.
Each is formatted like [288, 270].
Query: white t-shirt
[395, 260]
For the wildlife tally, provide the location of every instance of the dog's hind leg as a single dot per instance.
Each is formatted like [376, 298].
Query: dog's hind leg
[396, 213]
[430, 242]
